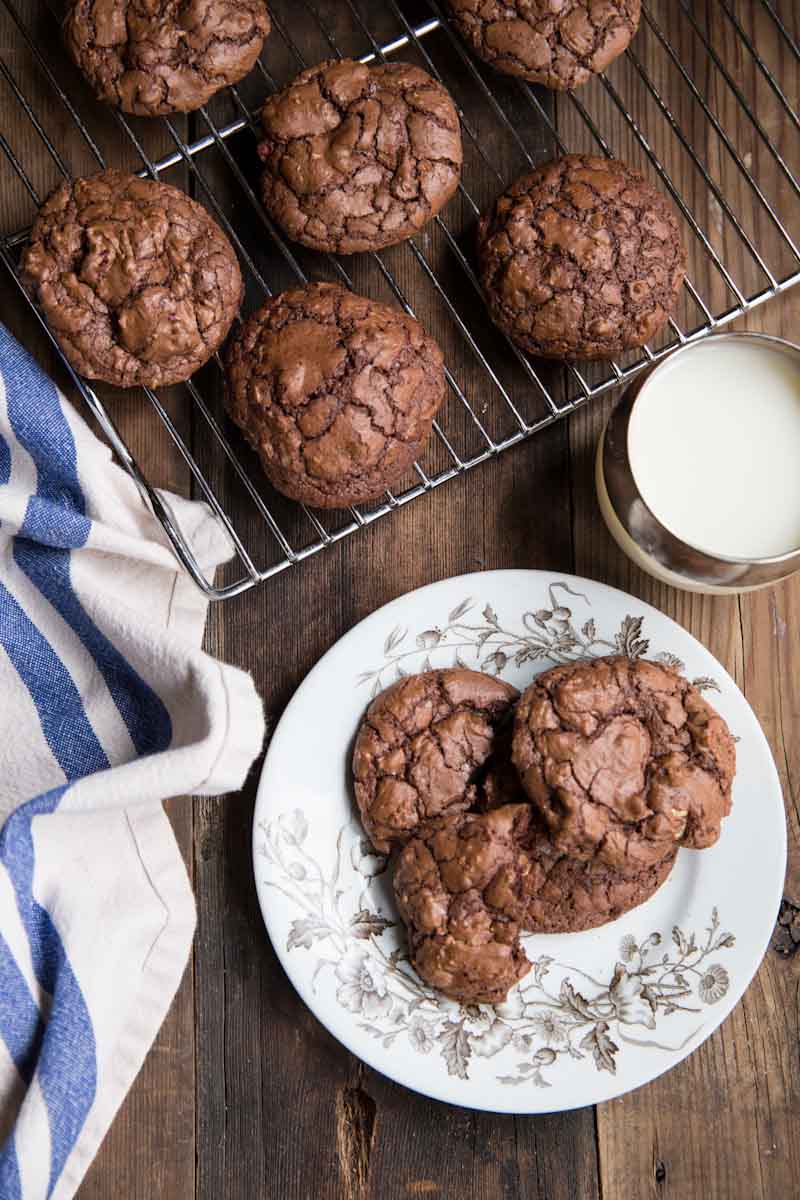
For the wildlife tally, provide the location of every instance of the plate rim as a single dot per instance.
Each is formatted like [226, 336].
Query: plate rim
[735, 994]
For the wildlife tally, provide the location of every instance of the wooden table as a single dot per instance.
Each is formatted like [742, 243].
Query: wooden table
[246, 1097]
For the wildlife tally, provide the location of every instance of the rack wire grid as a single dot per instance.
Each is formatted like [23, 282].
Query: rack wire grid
[710, 117]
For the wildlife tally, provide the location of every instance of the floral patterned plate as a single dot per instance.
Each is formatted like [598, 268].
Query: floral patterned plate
[601, 1012]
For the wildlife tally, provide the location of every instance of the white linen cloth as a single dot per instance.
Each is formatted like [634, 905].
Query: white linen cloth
[107, 707]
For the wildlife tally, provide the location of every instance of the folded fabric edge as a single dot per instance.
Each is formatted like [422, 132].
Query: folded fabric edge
[210, 541]
[160, 979]
[188, 607]
[243, 738]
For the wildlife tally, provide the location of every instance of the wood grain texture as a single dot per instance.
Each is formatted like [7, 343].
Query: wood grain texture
[245, 1096]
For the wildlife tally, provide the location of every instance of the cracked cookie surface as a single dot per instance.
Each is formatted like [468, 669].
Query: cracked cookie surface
[335, 393]
[558, 43]
[581, 259]
[150, 57]
[468, 884]
[624, 760]
[548, 891]
[460, 942]
[421, 747]
[137, 282]
[358, 158]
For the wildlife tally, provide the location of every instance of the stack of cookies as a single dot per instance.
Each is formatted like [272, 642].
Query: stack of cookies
[551, 812]
[337, 394]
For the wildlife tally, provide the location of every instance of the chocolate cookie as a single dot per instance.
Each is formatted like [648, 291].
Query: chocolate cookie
[137, 282]
[560, 43]
[551, 892]
[334, 392]
[359, 157]
[581, 259]
[624, 760]
[460, 943]
[421, 747]
[160, 56]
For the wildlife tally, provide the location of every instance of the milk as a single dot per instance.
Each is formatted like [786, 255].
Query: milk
[714, 447]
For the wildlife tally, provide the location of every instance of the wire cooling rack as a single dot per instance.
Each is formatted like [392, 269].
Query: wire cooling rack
[708, 114]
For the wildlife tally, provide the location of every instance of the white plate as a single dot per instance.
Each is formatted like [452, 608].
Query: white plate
[601, 1012]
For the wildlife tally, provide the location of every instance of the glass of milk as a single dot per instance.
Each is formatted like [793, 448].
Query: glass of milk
[698, 469]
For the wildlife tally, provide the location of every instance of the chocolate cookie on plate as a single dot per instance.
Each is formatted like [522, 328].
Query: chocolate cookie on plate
[138, 284]
[335, 393]
[581, 259]
[150, 57]
[548, 891]
[559, 43]
[624, 760]
[421, 748]
[460, 942]
[468, 884]
[359, 157]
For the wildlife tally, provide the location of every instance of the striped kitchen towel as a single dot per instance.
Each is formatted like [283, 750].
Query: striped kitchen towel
[107, 706]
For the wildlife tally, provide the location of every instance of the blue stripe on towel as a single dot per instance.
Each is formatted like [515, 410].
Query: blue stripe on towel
[56, 518]
[144, 714]
[16, 853]
[19, 1016]
[64, 1045]
[40, 426]
[10, 1182]
[67, 1070]
[58, 702]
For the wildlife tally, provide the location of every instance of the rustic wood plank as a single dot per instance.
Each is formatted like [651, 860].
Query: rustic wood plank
[722, 1122]
[246, 1010]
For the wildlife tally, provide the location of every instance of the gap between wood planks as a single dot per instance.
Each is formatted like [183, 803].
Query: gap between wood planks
[356, 1113]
